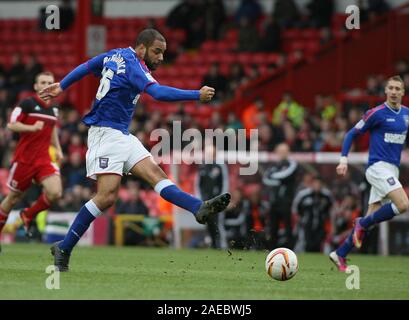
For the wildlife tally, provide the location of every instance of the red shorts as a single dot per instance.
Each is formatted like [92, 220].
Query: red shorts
[21, 175]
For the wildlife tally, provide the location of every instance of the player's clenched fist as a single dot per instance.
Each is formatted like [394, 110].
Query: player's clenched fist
[50, 91]
[206, 94]
[343, 166]
[342, 169]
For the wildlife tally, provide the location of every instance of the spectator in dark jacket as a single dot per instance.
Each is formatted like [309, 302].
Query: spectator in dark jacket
[286, 13]
[216, 80]
[321, 12]
[134, 205]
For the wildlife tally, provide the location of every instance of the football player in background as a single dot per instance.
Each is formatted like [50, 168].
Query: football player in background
[35, 121]
[388, 128]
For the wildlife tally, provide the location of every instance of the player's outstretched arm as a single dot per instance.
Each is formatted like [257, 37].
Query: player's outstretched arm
[21, 127]
[91, 66]
[342, 167]
[165, 93]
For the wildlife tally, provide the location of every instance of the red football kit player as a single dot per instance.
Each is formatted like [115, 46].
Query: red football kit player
[35, 121]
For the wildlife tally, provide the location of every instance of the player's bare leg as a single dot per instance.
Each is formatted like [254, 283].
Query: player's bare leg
[52, 191]
[13, 198]
[338, 257]
[150, 171]
[400, 204]
[52, 188]
[400, 199]
[107, 192]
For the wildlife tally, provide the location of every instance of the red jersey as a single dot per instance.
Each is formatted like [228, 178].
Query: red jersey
[33, 147]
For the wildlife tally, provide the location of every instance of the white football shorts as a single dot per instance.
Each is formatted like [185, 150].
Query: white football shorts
[112, 152]
[384, 178]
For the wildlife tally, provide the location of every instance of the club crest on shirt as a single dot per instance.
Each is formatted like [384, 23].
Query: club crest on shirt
[103, 163]
[391, 181]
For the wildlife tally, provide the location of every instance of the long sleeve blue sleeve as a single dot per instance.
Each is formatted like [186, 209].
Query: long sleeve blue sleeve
[165, 93]
[77, 74]
[348, 139]
[93, 65]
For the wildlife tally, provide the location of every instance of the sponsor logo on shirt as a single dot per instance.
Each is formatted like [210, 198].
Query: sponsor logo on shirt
[390, 120]
[394, 138]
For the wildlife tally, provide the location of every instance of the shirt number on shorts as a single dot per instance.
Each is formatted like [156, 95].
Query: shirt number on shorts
[105, 83]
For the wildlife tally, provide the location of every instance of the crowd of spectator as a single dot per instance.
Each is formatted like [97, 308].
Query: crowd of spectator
[258, 30]
[317, 128]
[305, 129]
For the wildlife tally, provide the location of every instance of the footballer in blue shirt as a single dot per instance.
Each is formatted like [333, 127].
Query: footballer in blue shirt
[387, 125]
[112, 151]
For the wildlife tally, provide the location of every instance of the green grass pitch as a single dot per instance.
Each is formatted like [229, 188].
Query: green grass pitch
[157, 273]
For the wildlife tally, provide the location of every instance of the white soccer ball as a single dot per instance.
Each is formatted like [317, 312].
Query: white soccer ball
[281, 264]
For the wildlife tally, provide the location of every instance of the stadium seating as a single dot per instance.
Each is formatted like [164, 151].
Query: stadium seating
[56, 50]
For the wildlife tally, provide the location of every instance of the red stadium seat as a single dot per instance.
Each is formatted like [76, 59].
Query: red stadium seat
[339, 34]
[4, 59]
[7, 36]
[11, 24]
[200, 70]
[291, 34]
[186, 71]
[209, 46]
[59, 72]
[22, 36]
[245, 57]
[38, 48]
[312, 47]
[260, 58]
[298, 45]
[225, 46]
[66, 48]
[338, 21]
[232, 35]
[194, 83]
[311, 34]
[14, 47]
[25, 25]
[184, 58]
[272, 58]
[210, 57]
[25, 48]
[227, 58]
[178, 35]
[36, 37]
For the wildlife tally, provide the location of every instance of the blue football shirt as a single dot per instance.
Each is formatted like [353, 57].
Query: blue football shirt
[123, 78]
[388, 129]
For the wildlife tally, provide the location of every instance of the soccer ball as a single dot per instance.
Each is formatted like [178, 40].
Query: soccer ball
[281, 264]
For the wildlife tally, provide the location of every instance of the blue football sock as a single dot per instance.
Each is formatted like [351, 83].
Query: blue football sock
[82, 221]
[386, 212]
[346, 246]
[170, 192]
